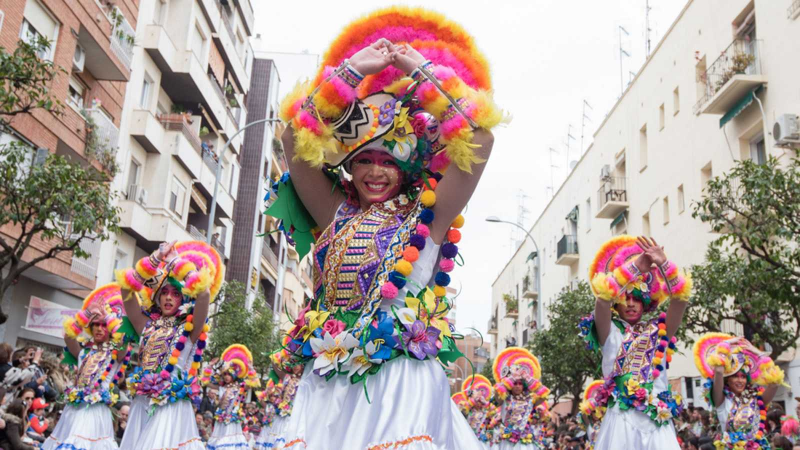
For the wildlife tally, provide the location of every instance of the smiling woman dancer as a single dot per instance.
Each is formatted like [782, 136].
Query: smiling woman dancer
[402, 94]
[741, 382]
[166, 299]
[630, 277]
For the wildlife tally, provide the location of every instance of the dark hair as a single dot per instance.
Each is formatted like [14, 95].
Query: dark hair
[17, 409]
[780, 442]
[27, 389]
[5, 353]
[774, 416]
[17, 356]
[707, 446]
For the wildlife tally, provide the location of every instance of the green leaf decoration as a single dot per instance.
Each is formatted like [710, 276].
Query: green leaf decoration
[297, 221]
[69, 359]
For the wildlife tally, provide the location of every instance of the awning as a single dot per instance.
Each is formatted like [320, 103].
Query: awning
[531, 257]
[573, 215]
[200, 200]
[740, 106]
[619, 219]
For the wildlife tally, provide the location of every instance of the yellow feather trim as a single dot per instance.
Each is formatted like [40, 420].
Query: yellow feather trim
[184, 270]
[119, 274]
[461, 152]
[312, 148]
[298, 93]
[487, 114]
[69, 330]
[601, 287]
[685, 292]
[205, 281]
[398, 86]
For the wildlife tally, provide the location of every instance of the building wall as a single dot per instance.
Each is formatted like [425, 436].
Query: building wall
[476, 351]
[679, 153]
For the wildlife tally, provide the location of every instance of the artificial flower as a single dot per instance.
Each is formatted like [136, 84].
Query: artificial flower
[333, 326]
[331, 351]
[358, 363]
[381, 337]
[430, 310]
[421, 340]
[387, 111]
[185, 308]
[314, 320]
[399, 138]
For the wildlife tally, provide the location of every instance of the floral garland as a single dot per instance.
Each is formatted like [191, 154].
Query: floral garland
[628, 393]
[96, 393]
[233, 414]
[741, 439]
[165, 387]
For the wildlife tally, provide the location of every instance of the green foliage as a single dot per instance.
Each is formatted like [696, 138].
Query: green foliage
[752, 270]
[566, 363]
[99, 148]
[512, 304]
[235, 324]
[25, 79]
[487, 370]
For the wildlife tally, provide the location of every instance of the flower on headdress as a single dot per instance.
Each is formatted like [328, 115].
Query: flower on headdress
[421, 340]
[399, 139]
[420, 125]
[331, 351]
[387, 112]
[428, 309]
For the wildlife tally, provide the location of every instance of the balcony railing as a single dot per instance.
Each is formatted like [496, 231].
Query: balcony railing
[177, 122]
[742, 57]
[196, 233]
[122, 37]
[267, 252]
[210, 158]
[219, 245]
[106, 132]
[226, 20]
[493, 325]
[612, 197]
[530, 287]
[567, 250]
[87, 268]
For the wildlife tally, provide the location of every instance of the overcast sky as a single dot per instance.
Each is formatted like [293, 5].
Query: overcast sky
[546, 56]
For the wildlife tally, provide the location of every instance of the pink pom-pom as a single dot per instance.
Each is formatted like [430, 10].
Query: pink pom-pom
[423, 230]
[447, 265]
[164, 375]
[673, 339]
[389, 290]
[656, 373]
[663, 315]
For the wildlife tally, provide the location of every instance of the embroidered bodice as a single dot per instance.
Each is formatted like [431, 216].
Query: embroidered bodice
[517, 412]
[228, 398]
[93, 362]
[635, 355]
[158, 340]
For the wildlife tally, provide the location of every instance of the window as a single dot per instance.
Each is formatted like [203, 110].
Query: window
[161, 109]
[661, 117]
[666, 210]
[706, 173]
[198, 41]
[176, 197]
[643, 148]
[75, 93]
[2, 17]
[758, 151]
[133, 173]
[38, 22]
[676, 101]
[147, 84]
[646, 225]
[119, 262]
[588, 214]
[703, 90]
[234, 179]
[681, 200]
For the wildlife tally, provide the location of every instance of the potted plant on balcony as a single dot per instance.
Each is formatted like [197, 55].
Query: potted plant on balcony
[204, 131]
[512, 305]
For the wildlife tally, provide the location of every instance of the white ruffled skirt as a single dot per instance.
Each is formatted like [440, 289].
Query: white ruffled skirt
[171, 426]
[227, 437]
[410, 409]
[505, 445]
[271, 437]
[83, 428]
[633, 429]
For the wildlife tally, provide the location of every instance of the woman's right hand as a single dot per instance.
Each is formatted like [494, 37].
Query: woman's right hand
[378, 56]
[166, 250]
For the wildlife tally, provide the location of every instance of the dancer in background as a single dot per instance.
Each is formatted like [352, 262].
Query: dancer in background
[630, 277]
[741, 381]
[231, 377]
[591, 412]
[87, 421]
[481, 414]
[517, 373]
[402, 96]
[166, 298]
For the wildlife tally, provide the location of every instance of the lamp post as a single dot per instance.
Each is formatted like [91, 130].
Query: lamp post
[495, 219]
[218, 175]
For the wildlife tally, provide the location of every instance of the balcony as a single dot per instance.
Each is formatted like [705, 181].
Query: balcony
[612, 197]
[268, 254]
[567, 250]
[493, 326]
[147, 130]
[247, 14]
[732, 76]
[182, 142]
[200, 235]
[122, 38]
[530, 287]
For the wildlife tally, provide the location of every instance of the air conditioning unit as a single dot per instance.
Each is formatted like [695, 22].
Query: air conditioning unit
[786, 130]
[605, 171]
[78, 59]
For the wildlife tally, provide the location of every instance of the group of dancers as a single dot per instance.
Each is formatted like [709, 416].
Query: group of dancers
[385, 147]
[511, 414]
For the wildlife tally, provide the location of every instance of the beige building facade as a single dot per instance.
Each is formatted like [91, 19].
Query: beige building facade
[707, 97]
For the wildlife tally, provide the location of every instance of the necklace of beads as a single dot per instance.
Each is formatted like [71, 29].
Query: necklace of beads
[665, 346]
[188, 326]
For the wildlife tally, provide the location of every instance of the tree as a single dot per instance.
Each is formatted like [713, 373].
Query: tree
[566, 363]
[48, 198]
[235, 324]
[751, 275]
[487, 370]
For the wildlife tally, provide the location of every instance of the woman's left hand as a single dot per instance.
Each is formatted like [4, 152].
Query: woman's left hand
[374, 58]
[407, 58]
[653, 250]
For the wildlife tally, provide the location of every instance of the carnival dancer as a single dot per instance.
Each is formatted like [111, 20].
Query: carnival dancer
[269, 398]
[87, 422]
[630, 277]
[591, 412]
[167, 296]
[481, 414]
[232, 376]
[392, 117]
[741, 381]
[517, 373]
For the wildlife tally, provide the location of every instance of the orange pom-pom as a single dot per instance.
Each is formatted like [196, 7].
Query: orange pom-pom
[454, 236]
[662, 326]
[176, 353]
[190, 318]
[203, 336]
[431, 184]
[411, 254]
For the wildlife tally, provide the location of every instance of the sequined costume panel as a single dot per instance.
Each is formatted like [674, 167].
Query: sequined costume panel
[159, 336]
[635, 356]
[92, 365]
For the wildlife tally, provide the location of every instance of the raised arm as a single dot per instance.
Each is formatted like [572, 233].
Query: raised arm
[133, 310]
[73, 346]
[678, 285]
[132, 281]
[718, 386]
[200, 314]
[602, 320]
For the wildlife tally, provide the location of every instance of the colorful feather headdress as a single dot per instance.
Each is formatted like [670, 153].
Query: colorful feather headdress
[339, 114]
[102, 305]
[713, 350]
[459, 397]
[518, 364]
[238, 361]
[477, 383]
[589, 405]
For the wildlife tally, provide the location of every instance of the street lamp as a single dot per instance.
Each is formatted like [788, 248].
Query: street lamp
[495, 219]
[218, 175]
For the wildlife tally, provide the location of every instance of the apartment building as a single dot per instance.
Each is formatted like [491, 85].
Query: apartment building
[707, 97]
[188, 88]
[93, 42]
